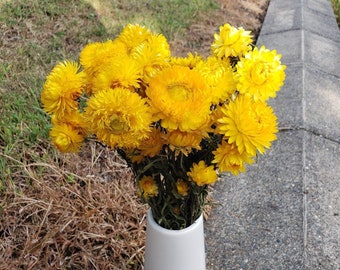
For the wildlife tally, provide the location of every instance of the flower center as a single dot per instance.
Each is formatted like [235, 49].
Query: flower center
[259, 73]
[63, 140]
[118, 124]
[179, 92]
[233, 37]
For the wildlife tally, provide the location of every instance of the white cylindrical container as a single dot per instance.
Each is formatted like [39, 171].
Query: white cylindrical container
[174, 249]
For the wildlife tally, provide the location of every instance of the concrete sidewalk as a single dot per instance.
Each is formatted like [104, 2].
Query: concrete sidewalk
[284, 213]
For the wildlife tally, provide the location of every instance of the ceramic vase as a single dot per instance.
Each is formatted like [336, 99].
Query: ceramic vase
[174, 249]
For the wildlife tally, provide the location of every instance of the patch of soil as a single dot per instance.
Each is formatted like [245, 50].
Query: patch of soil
[248, 14]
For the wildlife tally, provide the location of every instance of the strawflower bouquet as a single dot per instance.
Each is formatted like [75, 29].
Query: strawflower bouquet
[178, 121]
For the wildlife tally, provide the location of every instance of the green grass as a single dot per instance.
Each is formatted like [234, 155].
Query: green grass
[36, 35]
[336, 7]
[167, 17]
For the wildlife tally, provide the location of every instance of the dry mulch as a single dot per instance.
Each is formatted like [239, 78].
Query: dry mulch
[82, 211]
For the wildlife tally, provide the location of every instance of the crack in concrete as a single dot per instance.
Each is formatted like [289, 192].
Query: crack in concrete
[311, 131]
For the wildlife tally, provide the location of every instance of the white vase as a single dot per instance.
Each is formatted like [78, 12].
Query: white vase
[174, 249]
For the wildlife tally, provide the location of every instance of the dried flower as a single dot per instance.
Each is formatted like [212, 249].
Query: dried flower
[178, 122]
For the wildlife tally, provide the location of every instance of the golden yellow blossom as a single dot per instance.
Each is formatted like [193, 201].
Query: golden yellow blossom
[260, 74]
[250, 124]
[62, 88]
[66, 138]
[179, 97]
[75, 119]
[153, 55]
[202, 174]
[95, 57]
[153, 144]
[219, 76]
[133, 35]
[148, 187]
[122, 71]
[184, 141]
[182, 187]
[119, 117]
[190, 61]
[229, 159]
[231, 41]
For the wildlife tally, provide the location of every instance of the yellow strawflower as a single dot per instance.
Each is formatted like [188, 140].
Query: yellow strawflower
[179, 97]
[260, 74]
[231, 41]
[229, 159]
[122, 71]
[184, 141]
[148, 187]
[62, 88]
[95, 57]
[250, 124]
[119, 117]
[190, 61]
[202, 174]
[182, 187]
[152, 145]
[75, 119]
[219, 76]
[153, 55]
[133, 35]
[66, 138]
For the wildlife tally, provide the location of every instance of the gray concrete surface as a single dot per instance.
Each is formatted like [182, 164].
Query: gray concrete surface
[284, 213]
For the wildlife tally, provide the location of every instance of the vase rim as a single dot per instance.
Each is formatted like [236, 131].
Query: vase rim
[156, 226]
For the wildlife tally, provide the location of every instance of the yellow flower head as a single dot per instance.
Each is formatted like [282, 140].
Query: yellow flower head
[133, 35]
[152, 145]
[153, 55]
[75, 119]
[250, 124]
[231, 41]
[229, 159]
[62, 88]
[179, 97]
[260, 74]
[95, 57]
[122, 71]
[182, 187]
[134, 155]
[184, 141]
[190, 61]
[219, 76]
[148, 187]
[66, 138]
[202, 174]
[119, 117]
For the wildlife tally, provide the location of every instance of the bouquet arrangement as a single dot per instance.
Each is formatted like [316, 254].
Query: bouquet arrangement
[178, 121]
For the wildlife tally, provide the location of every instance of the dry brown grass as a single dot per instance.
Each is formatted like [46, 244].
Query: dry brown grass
[82, 212]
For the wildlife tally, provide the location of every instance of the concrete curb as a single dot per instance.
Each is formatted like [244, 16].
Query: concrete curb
[285, 212]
